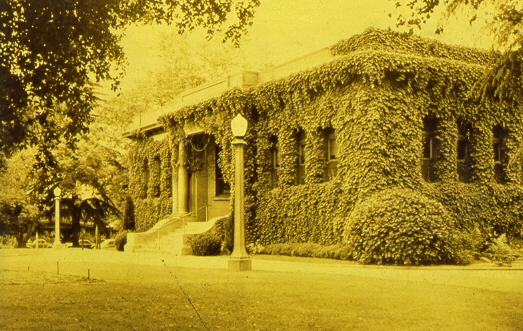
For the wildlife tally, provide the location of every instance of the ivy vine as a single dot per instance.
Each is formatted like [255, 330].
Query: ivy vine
[375, 95]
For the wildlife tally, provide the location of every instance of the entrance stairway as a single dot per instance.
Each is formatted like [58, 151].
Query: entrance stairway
[169, 236]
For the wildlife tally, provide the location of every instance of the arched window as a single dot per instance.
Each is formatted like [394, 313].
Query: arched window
[275, 161]
[498, 144]
[430, 149]
[464, 166]
[300, 162]
[331, 153]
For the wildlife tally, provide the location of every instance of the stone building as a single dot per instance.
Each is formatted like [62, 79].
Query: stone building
[328, 131]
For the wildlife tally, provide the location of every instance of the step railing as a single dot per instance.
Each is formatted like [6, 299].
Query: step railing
[183, 219]
[136, 240]
[206, 207]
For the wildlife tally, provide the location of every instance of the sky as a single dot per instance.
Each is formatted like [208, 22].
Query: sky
[286, 29]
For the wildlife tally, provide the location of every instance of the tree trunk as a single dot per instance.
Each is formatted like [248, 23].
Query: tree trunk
[75, 226]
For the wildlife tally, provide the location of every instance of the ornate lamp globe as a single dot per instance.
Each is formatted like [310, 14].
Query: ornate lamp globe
[239, 126]
[57, 191]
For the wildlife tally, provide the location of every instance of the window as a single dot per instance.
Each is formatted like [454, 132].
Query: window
[498, 144]
[275, 162]
[464, 166]
[157, 168]
[430, 149]
[300, 166]
[331, 152]
[222, 188]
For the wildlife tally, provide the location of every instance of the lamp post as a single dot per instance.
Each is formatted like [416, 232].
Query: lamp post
[239, 259]
[57, 193]
[36, 239]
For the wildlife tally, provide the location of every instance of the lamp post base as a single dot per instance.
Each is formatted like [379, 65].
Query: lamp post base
[240, 264]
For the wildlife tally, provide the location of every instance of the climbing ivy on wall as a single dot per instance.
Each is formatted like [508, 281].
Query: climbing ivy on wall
[152, 192]
[375, 95]
[214, 117]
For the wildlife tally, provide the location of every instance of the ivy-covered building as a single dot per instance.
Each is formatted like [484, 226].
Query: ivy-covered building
[381, 124]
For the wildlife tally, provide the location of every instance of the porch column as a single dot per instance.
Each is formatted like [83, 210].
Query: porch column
[174, 175]
[183, 179]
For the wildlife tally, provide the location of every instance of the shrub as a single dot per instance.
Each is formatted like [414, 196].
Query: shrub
[500, 253]
[7, 241]
[338, 252]
[471, 244]
[464, 257]
[480, 243]
[120, 240]
[400, 226]
[224, 230]
[255, 248]
[280, 249]
[205, 244]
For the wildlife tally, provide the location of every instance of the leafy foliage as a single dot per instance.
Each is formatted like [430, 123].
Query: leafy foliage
[151, 194]
[225, 231]
[120, 240]
[7, 241]
[505, 20]
[410, 45]
[51, 50]
[375, 95]
[501, 253]
[205, 244]
[493, 209]
[302, 214]
[338, 252]
[186, 65]
[94, 181]
[400, 227]
[18, 211]
[481, 244]
[53, 56]
[87, 182]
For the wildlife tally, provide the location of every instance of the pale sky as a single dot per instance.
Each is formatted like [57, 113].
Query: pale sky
[286, 29]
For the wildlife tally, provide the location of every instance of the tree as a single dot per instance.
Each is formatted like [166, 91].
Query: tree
[18, 212]
[95, 208]
[99, 164]
[53, 51]
[184, 64]
[503, 82]
[86, 179]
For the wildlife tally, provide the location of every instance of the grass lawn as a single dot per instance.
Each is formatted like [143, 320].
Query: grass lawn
[169, 298]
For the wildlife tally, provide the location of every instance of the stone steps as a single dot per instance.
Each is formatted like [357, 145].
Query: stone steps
[173, 242]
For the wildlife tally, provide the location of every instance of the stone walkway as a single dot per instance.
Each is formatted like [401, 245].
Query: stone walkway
[120, 266]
